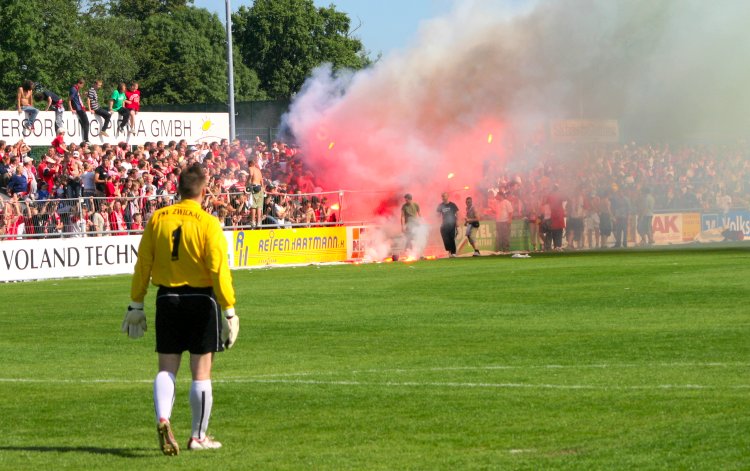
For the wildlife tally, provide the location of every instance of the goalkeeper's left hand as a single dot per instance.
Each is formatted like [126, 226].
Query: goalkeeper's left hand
[230, 327]
[134, 323]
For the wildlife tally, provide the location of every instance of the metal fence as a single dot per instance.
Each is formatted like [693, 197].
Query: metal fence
[94, 216]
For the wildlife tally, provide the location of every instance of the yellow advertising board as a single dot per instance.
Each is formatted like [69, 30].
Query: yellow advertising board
[288, 246]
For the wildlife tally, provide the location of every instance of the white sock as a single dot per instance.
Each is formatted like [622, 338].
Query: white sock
[164, 391]
[201, 401]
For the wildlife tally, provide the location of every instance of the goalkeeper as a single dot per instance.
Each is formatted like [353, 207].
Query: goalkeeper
[183, 251]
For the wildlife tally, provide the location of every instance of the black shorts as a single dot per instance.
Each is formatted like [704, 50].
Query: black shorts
[187, 319]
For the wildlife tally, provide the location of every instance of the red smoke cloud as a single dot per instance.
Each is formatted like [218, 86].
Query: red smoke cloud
[378, 148]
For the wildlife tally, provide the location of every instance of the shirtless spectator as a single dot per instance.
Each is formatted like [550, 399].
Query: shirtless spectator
[255, 180]
[25, 104]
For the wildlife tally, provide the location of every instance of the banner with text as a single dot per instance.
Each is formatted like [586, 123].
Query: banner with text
[735, 220]
[67, 258]
[675, 228]
[149, 127]
[289, 246]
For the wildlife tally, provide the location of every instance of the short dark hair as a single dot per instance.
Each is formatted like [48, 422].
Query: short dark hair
[192, 181]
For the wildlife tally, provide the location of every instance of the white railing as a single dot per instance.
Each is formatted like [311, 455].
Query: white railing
[96, 216]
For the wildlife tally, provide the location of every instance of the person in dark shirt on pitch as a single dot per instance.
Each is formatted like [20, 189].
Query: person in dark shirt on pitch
[448, 212]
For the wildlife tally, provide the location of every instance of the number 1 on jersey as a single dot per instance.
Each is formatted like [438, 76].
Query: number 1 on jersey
[176, 235]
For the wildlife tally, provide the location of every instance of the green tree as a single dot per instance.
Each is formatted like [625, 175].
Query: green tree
[284, 40]
[39, 42]
[183, 60]
[142, 9]
[112, 48]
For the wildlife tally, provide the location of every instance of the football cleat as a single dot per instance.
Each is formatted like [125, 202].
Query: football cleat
[208, 443]
[166, 440]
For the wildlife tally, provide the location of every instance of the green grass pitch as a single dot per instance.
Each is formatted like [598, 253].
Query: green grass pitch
[609, 360]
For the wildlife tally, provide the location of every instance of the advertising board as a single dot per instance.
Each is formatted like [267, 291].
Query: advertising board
[149, 127]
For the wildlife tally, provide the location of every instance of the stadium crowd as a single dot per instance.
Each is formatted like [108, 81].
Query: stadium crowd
[591, 191]
[584, 192]
[118, 188]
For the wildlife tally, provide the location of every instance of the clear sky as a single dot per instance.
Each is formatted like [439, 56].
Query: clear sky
[386, 25]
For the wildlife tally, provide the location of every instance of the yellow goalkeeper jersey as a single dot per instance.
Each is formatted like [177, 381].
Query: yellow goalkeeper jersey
[183, 245]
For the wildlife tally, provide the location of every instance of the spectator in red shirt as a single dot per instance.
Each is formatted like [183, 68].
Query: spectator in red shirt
[133, 103]
[58, 143]
[117, 219]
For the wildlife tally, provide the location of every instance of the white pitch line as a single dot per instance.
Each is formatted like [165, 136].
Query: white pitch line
[509, 367]
[402, 384]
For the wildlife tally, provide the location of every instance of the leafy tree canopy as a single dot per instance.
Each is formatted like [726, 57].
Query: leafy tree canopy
[177, 52]
[283, 40]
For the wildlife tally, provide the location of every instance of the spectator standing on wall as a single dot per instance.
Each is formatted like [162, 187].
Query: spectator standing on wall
[92, 98]
[75, 104]
[448, 212]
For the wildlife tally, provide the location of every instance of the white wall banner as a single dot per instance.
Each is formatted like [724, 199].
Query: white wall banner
[72, 257]
[149, 127]
[35, 259]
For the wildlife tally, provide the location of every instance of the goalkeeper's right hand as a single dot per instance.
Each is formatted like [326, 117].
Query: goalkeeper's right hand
[230, 327]
[134, 323]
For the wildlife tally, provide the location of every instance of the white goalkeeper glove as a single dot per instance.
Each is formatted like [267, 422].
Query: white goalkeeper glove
[230, 327]
[134, 323]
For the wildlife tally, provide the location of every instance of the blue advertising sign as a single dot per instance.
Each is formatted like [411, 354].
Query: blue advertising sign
[736, 220]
